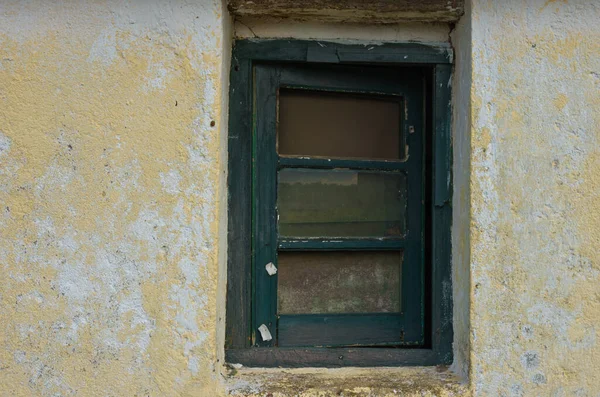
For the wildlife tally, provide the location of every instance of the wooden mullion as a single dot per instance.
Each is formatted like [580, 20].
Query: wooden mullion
[264, 201]
[441, 280]
[239, 222]
[413, 283]
[366, 329]
[331, 163]
[340, 244]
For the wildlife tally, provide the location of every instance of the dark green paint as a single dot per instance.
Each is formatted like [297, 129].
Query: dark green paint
[268, 80]
[239, 222]
[310, 330]
[307, 162]
[305, 51]
[339, 244]
[264, 200]
[241, 320]
[331, 357]
[441, 277]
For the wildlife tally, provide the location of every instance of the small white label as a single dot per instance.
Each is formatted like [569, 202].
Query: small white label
[271, 269]
[264, 332]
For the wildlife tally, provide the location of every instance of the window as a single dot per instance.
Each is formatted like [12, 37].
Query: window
[338, 205]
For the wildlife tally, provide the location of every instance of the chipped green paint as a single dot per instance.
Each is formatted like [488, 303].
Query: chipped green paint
[112, 229]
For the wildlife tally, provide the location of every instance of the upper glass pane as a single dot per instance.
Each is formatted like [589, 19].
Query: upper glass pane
[341, 203]
[339, 125]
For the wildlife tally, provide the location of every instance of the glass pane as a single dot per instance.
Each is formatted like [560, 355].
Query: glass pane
[341, 203]
[314, 123]
[339, 282]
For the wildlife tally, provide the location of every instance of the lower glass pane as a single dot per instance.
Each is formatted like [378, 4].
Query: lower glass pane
[339, 282]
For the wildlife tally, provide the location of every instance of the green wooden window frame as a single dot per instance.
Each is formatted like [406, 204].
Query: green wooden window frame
[259, 69]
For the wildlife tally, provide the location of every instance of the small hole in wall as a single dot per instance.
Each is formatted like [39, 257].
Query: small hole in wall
[236, 68]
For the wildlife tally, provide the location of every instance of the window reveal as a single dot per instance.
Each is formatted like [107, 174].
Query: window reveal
[339, 217]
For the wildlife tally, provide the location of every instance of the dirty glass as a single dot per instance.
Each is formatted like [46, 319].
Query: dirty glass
[338, 125]
[341, 203]
[339, 282]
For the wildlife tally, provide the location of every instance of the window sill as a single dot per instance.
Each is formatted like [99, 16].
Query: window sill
[304, 357]
[405, 381]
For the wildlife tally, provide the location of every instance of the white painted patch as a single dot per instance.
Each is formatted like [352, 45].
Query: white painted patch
[68, 242]
[560, 320]
[104, 49]
[170, 181]
[5, 144]
[189, 268]
[157, 81]
[265, 333]
[147, 226]
[74, 282]
[271, 269]
[188, 303]
[56, 177]
[194, 365]
[45, 229]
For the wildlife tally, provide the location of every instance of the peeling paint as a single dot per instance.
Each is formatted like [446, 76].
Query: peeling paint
[534, 187]
[113, 191]
[109, 228]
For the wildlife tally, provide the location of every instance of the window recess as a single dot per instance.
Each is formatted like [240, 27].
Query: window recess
[332, 175]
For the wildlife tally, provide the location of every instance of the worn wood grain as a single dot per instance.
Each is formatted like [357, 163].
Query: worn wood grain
[330, 357]
[353, 10]
[239, 222]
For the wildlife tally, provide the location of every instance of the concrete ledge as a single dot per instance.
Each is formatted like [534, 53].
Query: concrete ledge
[374, 11]
[408, 381]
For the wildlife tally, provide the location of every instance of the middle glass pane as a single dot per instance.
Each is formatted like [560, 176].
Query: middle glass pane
[341, 203]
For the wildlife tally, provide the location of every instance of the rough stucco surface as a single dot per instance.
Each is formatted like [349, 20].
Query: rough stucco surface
[112, 191]
[535, 187]
[349, 382]
[263, 27]
[111, 187]
[461, 146]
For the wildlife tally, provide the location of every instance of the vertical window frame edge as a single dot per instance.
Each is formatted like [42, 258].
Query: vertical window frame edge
[239, 332]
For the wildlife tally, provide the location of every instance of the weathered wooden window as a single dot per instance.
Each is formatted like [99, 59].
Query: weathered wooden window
[333, 204]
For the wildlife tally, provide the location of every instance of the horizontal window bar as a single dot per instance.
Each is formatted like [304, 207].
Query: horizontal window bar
[322, 330]
[291, 357]
[340, 244]
[312, 162]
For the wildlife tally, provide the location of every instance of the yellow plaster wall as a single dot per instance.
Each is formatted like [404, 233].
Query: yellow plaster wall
[535, 187]
[112, 124]
[112, 193]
